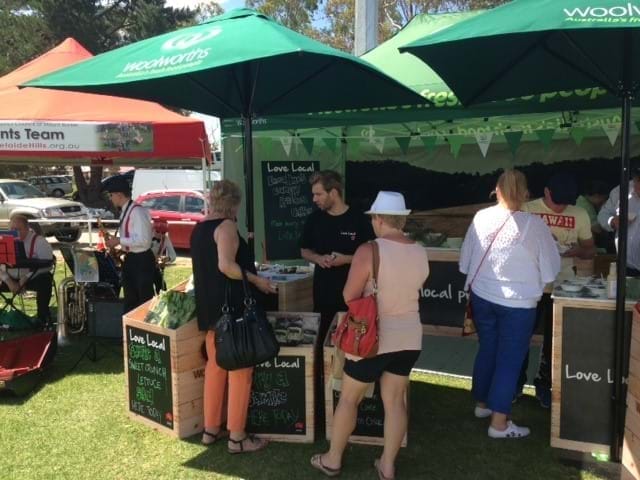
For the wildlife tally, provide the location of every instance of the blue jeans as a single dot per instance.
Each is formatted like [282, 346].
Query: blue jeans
[504, 334]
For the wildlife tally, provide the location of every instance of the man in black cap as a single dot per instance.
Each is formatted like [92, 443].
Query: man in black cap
[571, 227]
[136, 233]
[609, 219]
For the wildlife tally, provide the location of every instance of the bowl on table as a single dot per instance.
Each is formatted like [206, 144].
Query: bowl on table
[571, 287]
[596, 290]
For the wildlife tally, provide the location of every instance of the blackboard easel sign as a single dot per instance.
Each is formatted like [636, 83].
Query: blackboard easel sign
[149, 367]
[442, 298]
[287, 203]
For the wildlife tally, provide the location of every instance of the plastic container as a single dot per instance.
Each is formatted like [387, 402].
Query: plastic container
[611, 281]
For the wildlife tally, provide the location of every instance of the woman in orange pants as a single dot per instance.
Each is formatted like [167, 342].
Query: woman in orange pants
[218, 256]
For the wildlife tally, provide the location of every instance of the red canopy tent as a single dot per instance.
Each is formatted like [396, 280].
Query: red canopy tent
[43, 126]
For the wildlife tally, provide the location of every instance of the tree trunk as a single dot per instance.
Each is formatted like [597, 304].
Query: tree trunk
[90, 192]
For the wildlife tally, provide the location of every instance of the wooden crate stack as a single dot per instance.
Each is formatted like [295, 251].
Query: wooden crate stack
[328, 357]
[631, 444]
[296, 295]
[187, 372]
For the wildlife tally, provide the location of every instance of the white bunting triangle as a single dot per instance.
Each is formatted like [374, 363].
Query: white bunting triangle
[377, 142]
[612, 130]
[286, 144]
[484, 140]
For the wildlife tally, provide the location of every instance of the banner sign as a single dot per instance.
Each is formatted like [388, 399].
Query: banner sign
[18, 136]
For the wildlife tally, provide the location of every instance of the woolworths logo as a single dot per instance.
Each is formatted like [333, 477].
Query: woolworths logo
[628, 12]
[188, 40]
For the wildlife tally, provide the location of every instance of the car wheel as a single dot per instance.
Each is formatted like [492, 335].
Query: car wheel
[71, 236]
[57, 193]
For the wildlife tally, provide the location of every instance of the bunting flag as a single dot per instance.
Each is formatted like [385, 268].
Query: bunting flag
[267, 146]
[612, 130]
[455, 143]
[545, 136]
[403, 143]
[484, 140]
[353, 148]
[429, 142]
[286, 144]
[331, 143]
[513, 139]
[578, 134]
[377, 142]
[307, 143]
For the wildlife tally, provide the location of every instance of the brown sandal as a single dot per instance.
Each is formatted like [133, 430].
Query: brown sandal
[316, 462]
[256, 444]
[213, 437]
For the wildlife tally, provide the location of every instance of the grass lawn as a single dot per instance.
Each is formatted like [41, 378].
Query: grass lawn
[75, 426]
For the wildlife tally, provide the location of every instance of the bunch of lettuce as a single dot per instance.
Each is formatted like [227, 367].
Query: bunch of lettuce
[172, 309]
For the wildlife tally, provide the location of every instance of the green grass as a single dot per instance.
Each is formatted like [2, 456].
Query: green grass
[75, 426]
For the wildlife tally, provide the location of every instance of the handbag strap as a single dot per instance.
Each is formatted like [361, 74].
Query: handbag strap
[376, 264]
[248, 298]
[487, 250]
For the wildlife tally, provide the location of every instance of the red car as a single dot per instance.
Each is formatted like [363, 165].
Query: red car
[182, 209]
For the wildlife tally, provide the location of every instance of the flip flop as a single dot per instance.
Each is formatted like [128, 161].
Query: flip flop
[316, 462]
[259, 443]
[213, 437]
[381, 476]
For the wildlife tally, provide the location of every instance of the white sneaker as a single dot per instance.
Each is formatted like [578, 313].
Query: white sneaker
[512, 431]
[480, 412]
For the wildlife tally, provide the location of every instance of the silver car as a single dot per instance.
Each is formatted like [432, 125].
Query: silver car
[53, 185]
[18, 197]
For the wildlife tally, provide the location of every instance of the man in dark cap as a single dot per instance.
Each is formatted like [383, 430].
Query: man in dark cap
[135, 237]
[571, 227]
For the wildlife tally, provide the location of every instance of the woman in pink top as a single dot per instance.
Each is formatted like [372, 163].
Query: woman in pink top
[402, 272]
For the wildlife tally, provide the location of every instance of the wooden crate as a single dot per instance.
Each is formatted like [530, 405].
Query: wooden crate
[631, 444]
[595, 318]
[174, 362]
[370, 412]
[282, 405]
[296, 295]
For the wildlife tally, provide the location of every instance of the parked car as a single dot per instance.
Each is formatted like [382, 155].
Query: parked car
[19, 197]
[52, 185]
[185, 206]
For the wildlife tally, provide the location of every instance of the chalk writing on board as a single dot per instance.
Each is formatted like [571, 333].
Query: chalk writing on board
[278, 397]
[149, 361]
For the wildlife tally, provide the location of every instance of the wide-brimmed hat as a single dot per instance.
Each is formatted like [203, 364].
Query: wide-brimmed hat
[117, 184]
[388, 203]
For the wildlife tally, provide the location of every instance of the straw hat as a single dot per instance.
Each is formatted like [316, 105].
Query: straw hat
[388, 203]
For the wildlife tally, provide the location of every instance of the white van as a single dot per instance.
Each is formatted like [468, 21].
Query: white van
[146, 180]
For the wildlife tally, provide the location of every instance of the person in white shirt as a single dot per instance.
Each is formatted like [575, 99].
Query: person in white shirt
[135, 231]
[18, 279]
[508, 256]
[609, 219]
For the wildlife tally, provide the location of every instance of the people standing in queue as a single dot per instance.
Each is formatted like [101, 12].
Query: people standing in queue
[139, 266]
[571, 229]
[609, 219]
[17, 279]
[403, 269]
[330, 238]
[508, 256]
[218, 256]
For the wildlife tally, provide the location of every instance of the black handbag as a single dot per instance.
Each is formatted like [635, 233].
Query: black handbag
[244, 341]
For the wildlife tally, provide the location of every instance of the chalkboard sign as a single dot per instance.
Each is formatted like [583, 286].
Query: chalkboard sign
[287, 203]
[278, 397]
[587, 374]
[370, 419]
[442, 298]
[149, 365]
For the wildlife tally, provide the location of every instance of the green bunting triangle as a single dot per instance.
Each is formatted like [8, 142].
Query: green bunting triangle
[266, 145]
[578, 134]
[455, 142]
[513, 139]
[403, 143]
[545, 136]
[331, 143]
[429, 142]
[307, 143]
[353, 148]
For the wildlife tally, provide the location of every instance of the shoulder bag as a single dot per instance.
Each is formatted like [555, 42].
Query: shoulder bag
[468, 325]
[245, 341]
[357, 334]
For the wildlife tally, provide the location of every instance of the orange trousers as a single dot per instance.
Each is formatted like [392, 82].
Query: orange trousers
[215, 387]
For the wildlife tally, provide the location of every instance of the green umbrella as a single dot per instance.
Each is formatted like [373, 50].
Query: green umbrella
[240, 64]
[534, 46]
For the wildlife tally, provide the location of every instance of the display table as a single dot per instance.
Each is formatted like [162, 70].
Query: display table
[282, 405]
[582, 372]
[631, 444]
[164, 373]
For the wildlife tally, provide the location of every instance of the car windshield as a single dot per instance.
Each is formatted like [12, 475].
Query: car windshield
[18, 190]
